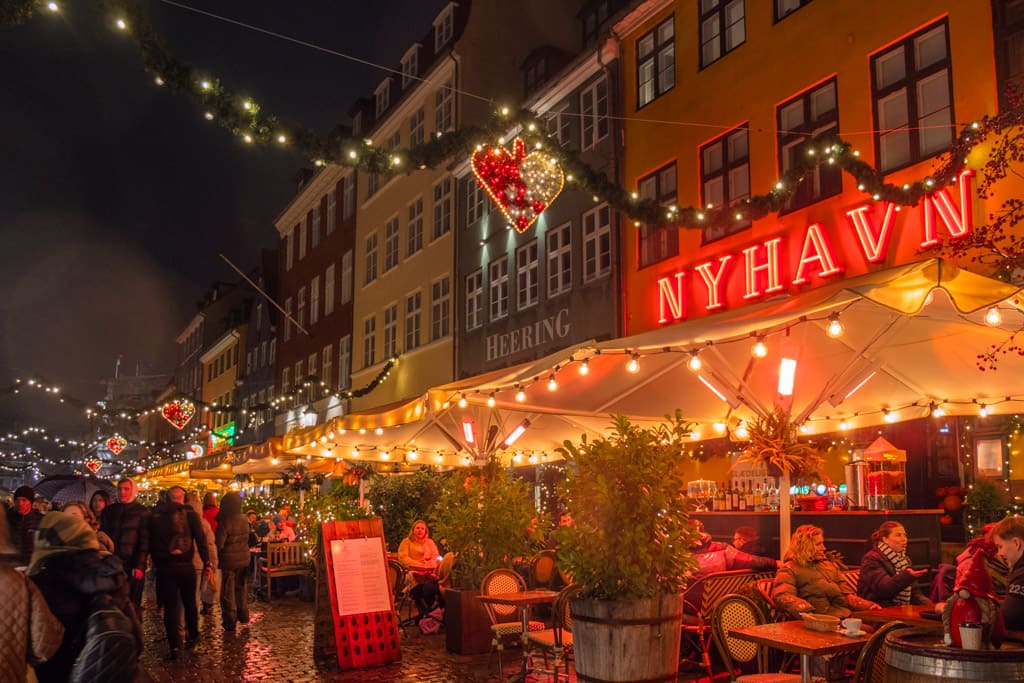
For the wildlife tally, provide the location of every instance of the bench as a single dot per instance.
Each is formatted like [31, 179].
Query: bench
[283, 559]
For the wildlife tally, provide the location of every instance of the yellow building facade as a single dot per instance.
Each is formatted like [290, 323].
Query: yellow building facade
[220, 371]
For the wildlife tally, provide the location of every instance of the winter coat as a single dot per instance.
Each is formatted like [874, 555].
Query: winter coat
[162, 531]
[211, 548]
[69, 581]
[817, 588]
[713, 556]
[127, 524]
[23, 532]
[210, 515]
[27, 623]
[1013, 604]
[880, 582]
[232, 533]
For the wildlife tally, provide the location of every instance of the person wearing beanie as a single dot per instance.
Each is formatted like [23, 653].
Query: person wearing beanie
[233, 551]
[23, 521]
[70, 571]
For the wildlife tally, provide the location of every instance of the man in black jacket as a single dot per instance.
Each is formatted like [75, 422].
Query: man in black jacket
[23, 521]
[127, 524]
[173, 532]
[1008, 536]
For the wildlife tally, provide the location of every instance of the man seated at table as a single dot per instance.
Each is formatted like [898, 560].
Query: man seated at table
[745, 538]
[1008, 536]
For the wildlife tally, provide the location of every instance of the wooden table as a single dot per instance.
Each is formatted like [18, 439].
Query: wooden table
[793, 636]
[524, 600]
[908, 614]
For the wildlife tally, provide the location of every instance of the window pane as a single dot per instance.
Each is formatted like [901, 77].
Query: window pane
[713, 190]
[791, 117]
[648, 188]
[738, 145]
[712, 158]
[736, 32]
[666, 31]
[645, 46]
[667, 183]
[930, 48]
[707, 5]
[823, 101]
[892, 111]
[666, 68]
[933, 94]
[890, 68]
[739, 183]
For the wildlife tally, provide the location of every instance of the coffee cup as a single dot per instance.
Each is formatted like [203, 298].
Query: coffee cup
[970, 636]
[852, 625]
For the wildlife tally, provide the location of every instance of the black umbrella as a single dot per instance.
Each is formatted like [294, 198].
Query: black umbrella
[61, 489]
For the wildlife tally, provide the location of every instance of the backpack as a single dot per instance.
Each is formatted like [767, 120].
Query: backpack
[430, 623]
[111, 650]
[180, 542]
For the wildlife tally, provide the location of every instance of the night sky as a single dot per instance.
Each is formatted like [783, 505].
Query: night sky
[116, 196]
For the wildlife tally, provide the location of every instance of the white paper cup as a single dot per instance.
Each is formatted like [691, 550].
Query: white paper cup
[852, 625]
[970, 636]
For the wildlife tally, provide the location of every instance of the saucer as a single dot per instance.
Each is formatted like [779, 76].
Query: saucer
[858, 634]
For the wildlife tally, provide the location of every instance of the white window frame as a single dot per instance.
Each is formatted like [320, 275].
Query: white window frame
[303, 234]
[527, 273]
[348, 192]
[559, 124]
[390, 330]
[442, 208]
[347, 277]
[444, 27]
[413, 320]
[369, 341]
[391, 235]
[718, 37]
[655, 62]
[332, 210]
[475, 299]
[476, 201]
[272, 357]
[286, 383]
[416, 128]
[559, 259]
[594, 123]
[443, 102]
[410, 66]
[597, 243]
[327, 364]
[300, 307]
[289, 250]
[382, 97]
[316, 225]
[329, 290]
[314, 300]
[371, 258]
[345, 362]
[440, 308]
[287, 318]
[414, 240]
[498, 287]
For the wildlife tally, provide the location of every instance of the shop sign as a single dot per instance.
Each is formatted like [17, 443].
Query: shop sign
[538, 333]
[759, 270]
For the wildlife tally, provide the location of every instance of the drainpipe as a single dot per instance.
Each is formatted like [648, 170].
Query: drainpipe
[616, 140]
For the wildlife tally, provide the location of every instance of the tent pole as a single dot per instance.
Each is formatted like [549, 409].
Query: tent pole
[784, 514]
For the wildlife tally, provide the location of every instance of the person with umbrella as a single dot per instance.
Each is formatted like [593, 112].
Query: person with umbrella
[127, 524]
[23, 521]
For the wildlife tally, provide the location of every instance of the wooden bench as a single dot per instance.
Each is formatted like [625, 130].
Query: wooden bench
[283, 559]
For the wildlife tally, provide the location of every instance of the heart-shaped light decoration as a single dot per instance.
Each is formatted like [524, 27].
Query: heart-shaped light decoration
[178, 412]
[93, 465]
[116, 444]
[521, 185]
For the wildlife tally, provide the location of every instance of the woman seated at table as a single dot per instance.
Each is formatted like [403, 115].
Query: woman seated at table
[886, 576]
[420, 556]
[809, 582]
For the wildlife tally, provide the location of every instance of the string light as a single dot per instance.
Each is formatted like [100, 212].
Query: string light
[835, 328]
[993, 317]
[759, 350]
[552, 384]
[695, 362]
[634, 364]
[490, 400]
[584, 366]
[520, 395]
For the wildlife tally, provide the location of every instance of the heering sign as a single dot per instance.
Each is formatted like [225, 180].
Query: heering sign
[525, 338]
[761, 269]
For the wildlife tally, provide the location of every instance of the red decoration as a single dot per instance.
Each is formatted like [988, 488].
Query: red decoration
[521, 185]
[116, 444]
[93, 465]
[178, 412]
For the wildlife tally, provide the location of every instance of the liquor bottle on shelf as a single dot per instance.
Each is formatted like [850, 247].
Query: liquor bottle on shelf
[743, 497]
[749, 491]
[758, 498]
[723, 498]
[735, 492]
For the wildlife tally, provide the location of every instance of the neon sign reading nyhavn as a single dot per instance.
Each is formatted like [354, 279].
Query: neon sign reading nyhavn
[761, 264]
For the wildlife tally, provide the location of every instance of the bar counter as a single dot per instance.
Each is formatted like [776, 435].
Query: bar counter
[845, 531]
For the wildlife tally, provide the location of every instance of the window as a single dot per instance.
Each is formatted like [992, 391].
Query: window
[722, 28]
[300, 307]
[395, 141]
[329, 290]
[391, 244]
[443, 28]
[263, 354]
[369, 341]
[413, 307]
[594, 114]
[314, 300]
[286, 384]
[327, 363]
[659, 241]
[725, 177]
[415, 238]
[597, 243]
[382, 97]
[443, 108]
[440, 308]
[287, 318]
[560, 126]
[348, 194]
[313, 358]
[410, 66]
[303, 239]
[289, 250]
[316, 225]
[300, 375]
[559, 259]
[272, 359]
[346, 277]
[345, 362]
[655, 63]
[912, 89]
[259, 316]
[474, 300]
[526, 275]
[476, 201]
[371, 258]
[783, 8]
[248, 362]
[442, 208]
[332, 209]
[372, 184]
[596, 14]
[416, 128]
[799, 120]
[209, 373]
[391, 331]
[498, 272]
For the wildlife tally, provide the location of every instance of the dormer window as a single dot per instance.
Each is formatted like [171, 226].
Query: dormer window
[444, 27]
[357, 123]
[410, 66]
[382, 96]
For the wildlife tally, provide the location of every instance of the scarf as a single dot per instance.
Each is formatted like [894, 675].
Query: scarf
[899, 562]
[59, 532]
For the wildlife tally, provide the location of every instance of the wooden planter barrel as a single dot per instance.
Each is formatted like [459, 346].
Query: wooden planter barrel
[634, 641]
[916, 655]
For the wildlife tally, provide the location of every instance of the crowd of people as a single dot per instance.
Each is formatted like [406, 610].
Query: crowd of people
[73, 575]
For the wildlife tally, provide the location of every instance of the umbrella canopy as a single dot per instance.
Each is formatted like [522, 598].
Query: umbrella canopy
[62, 489]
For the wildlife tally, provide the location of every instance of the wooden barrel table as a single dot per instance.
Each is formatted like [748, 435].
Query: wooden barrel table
[918, 655]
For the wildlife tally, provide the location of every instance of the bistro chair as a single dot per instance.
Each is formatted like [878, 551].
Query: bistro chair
[736, 611]
[506, 624]
[556, 640]
[542, 570]
[871, 661]
[400, 590]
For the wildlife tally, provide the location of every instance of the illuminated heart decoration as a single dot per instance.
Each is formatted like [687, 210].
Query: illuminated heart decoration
[116, 444]
[94, 465]
[178, 412]
[521, 185]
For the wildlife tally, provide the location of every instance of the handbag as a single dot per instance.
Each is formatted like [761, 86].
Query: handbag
[209, 587]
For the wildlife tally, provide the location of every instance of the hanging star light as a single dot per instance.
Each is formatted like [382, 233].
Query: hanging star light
[178, 412]
[116, 444]
[522, 185]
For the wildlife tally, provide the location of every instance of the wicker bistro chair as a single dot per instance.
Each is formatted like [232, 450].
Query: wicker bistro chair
[556, 640]
[542, 570]
[736, 611]
[506, 624]
[871, 661]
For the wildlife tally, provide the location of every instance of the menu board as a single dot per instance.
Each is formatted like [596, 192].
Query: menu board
[360, 576]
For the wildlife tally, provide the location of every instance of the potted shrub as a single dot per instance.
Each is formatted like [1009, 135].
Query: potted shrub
[486, 517]
[628, 549]
[401, 499]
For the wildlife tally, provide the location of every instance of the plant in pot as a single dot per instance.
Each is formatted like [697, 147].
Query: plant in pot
[774, 445]
[485, 516]
[628, 550]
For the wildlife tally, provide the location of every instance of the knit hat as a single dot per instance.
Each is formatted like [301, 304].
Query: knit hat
[973, 577]
[25, 492]
[59, 532]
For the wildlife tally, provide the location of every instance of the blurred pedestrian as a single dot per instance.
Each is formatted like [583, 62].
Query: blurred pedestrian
[210, 509]
[126, 523]
[81, 511]
[207, 596]
[23, 521]
[99, 502]
[233, 554]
